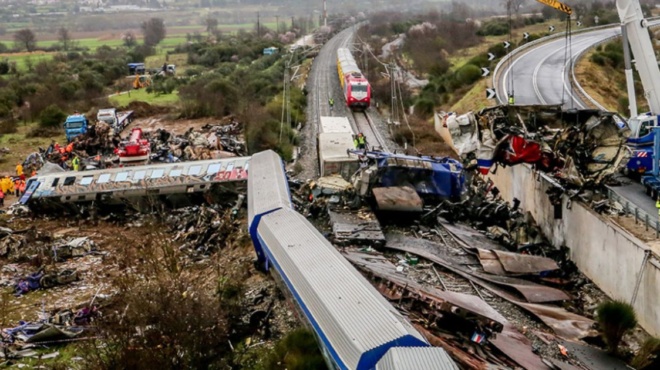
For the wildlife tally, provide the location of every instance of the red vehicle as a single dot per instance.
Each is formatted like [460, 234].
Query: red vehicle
[135, 149]
[357, 90]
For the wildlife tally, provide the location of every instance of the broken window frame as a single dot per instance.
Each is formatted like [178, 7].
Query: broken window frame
[103, 178]
[157, 173]
[212, 168]
[86, 180]
[139, 175]
[122, 176]
[194, 170]
[69, 181]
[175, 172]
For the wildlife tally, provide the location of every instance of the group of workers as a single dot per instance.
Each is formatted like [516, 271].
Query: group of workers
[14, 186]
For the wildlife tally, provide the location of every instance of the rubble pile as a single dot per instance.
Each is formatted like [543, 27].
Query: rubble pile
[475, 276]
[98, 148]
[205, 229]
[209, 142]
[581, 149]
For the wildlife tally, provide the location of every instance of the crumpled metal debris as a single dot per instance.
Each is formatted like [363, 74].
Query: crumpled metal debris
[579, 148]
[204, 229]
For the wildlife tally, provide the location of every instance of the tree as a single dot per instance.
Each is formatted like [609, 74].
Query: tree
[211, 26]
[52, 116]
[154, 31]
[514, 4]
[25, 38]
[129, 39]
[64, 38]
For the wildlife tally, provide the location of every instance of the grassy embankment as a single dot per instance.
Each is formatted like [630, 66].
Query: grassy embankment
[20, 146]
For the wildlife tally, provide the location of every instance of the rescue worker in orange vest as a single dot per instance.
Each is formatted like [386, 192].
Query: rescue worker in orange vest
[34, 173]
[21, 187]
[69, 148]
[17, 187]
[2, 198]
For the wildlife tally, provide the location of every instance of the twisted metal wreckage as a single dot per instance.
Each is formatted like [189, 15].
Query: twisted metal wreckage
[581, 149]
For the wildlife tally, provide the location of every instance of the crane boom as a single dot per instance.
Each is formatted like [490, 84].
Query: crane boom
[557, 5]
[632, 18]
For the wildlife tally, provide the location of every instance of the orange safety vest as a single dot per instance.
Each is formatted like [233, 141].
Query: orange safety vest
[69, 148]
[21, 186]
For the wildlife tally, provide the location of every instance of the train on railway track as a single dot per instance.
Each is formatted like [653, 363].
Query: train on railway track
[356, 327]
[356, 88]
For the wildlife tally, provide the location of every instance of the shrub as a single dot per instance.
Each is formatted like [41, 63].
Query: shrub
[468, 74]
[494, 28]
[297, 351]
[7, 127]
[615, 319]
[647, 355]
[598, 59]
[52, 116]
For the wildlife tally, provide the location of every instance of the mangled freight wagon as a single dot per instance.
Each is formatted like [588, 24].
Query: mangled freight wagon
[399, 180]
[578, 147]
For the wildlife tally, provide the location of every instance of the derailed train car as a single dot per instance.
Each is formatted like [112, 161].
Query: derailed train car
[172, 183]
[355, 326]
[578, 147]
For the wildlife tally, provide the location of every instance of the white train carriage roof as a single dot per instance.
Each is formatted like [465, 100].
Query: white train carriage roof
[350, 315]
[347, 62]
[416, 358]
[267, 192]
[151, 176]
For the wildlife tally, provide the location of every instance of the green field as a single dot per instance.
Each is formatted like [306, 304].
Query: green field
[142, 95]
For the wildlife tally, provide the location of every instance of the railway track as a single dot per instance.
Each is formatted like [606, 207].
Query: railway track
[365, 125]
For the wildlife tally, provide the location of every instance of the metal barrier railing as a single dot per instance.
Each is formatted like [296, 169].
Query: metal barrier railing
[649, 221]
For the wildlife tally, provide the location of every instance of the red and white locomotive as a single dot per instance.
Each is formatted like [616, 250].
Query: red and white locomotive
[357, 90]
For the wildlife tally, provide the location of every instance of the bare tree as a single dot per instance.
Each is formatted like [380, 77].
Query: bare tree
[64, 37]
[129, 39]
[514, 4]
[154, 31]
[25, 38]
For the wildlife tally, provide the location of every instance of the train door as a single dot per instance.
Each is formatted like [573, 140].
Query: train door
[31, 187]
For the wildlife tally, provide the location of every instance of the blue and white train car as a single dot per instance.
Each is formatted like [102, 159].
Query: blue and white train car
[357, 328]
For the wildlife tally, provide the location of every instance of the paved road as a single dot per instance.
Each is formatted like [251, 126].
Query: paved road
[541, 75]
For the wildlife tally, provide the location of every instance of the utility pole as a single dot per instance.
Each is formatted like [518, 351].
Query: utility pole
[258, 26]
[325, 14]
[286, 99]
[394, 108]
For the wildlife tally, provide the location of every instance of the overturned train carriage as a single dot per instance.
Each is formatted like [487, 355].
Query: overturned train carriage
[355, 326]
[174, 184]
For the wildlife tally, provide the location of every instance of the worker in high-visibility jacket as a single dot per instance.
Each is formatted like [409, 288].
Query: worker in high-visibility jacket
[3, 184]
[657, 205]
[511, 99]
[360, 141]
[10, 186]
[19, 170]
[76, 163]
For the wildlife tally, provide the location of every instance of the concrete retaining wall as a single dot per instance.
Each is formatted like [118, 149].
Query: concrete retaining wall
[607, 254]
